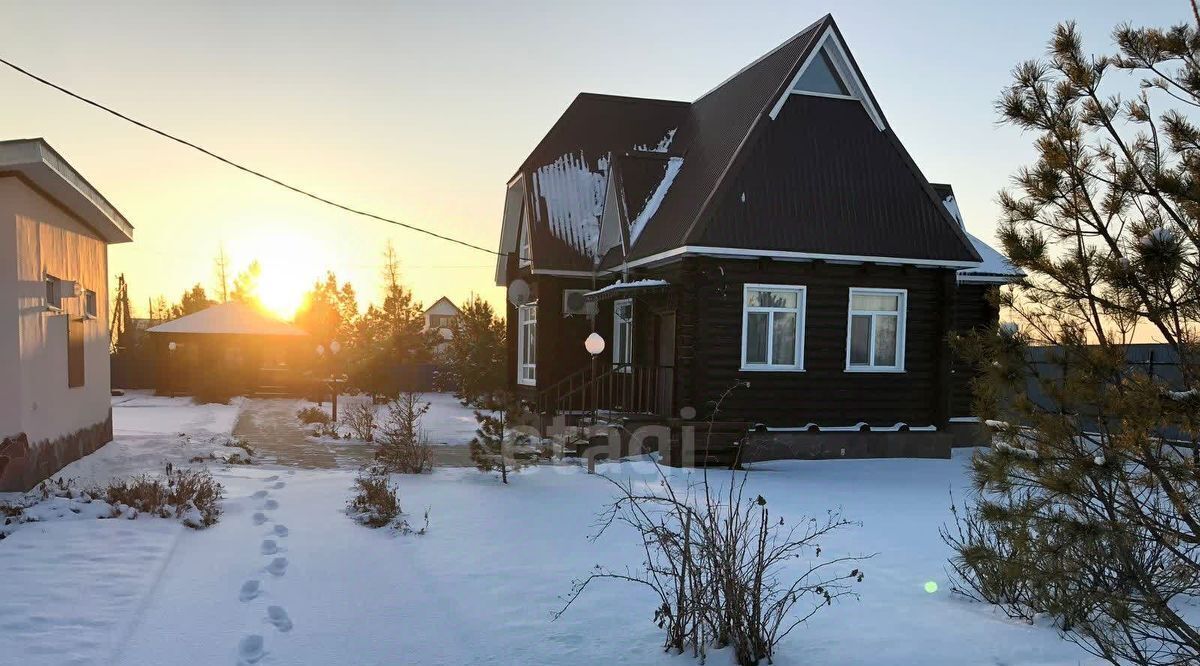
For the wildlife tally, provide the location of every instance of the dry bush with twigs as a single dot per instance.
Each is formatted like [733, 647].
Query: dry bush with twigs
[191, 495]
[359, 419]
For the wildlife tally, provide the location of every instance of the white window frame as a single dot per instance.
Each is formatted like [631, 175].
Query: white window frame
[524, 244]
[526, 320]
[53, 286]
[91, 306]
[623, 364]
[901, 328]
[801, 311]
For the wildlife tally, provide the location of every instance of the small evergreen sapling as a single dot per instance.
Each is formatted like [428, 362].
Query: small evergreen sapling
[503, 441]
[403, 445]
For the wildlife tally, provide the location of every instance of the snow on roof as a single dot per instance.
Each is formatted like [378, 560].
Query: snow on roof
[656, 199]
[995, 266]
[229, 319]
[623, 286]
[662, 145]
[574, 196]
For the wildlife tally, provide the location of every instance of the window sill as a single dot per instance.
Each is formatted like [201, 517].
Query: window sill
[527, 382]
[876, 371]
[769, 368]
[53, 310]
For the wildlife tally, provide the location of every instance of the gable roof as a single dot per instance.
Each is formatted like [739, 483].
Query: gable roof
[851, 174]
[445, 300]
[995, 267]
[230, 318]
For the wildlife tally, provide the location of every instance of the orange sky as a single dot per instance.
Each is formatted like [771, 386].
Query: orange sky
[422, 112]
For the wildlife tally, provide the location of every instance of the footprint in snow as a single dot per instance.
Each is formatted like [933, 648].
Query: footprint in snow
[250, 590]
[269, 547]
[279, 617]
[278, 484]
[270, 504]
[281, 530]
[250, 649]
[259, 517]
[260, 494]
[273, 477]
[278, 566]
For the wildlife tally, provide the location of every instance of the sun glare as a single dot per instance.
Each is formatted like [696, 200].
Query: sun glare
[289, 269]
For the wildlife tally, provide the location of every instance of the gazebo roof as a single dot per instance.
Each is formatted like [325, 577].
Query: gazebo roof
[229, 319]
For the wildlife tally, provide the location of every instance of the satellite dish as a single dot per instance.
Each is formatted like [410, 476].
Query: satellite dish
[518, 292]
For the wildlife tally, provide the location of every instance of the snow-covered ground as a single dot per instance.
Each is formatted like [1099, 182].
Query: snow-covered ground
[447, 422]
[289, 577]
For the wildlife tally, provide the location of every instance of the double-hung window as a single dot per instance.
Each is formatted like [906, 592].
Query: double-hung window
[623, 334]
[527, 344]
[773, 327]
[875, 330]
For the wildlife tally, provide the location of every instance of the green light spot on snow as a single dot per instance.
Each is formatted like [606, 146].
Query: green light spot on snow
[931, 587]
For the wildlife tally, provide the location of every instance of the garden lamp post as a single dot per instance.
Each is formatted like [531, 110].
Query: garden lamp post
[334, 348]
[171, 346]
[594, 344]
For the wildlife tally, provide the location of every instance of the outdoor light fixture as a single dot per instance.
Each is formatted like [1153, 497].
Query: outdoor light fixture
[594, 344]
[320, 350]
[335, 347]
[171, 346]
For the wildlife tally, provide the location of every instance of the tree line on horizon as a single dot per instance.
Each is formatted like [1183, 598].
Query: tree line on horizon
[372, 343]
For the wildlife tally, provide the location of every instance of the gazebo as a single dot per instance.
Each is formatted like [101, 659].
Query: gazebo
[233, 346]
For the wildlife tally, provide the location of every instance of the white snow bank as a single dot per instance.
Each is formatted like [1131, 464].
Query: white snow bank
[635, 284]
[140, 413]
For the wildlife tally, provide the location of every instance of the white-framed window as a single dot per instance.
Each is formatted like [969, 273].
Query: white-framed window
[623, 334]
[89, 303]
[53, 292]
[773, 327]
[527, 344]
[875, 330]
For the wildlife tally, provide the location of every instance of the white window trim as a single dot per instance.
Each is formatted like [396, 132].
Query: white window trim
[901, 329]
[47, 279]
[523, 321]
[801, 322]
[95, 301]
[626, 363]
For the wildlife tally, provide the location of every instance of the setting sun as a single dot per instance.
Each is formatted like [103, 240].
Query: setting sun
[290, 265]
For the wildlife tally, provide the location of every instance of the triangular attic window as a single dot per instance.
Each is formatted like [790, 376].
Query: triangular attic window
[524, 247]
[821, 77]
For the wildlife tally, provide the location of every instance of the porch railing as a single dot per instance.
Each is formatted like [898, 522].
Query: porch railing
[626, 388]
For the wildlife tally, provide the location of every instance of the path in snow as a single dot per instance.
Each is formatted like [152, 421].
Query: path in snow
[271, 427]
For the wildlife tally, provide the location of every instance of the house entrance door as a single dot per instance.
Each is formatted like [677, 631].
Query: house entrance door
[664, 361]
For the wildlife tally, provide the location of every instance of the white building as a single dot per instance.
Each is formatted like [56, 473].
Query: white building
[55, 229]
[440, 317]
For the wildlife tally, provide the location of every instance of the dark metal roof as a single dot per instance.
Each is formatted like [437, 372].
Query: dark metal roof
[821, 178]
[567, 172]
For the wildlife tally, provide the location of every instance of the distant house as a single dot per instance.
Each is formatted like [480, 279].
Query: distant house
[774, 231]
[234, 345]
[440, 317]
[55, 229]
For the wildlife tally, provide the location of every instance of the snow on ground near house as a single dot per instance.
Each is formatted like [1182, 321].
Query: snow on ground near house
[447, 421]
[479, 588]
[140, 413]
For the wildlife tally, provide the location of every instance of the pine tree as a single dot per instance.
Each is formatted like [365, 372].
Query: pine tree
[503, 441]
[403, 445]
[221, 272]
[245, 285]
[473, 358]
[328, 312]
[193, 300]
[1084, 511]
[389, 335]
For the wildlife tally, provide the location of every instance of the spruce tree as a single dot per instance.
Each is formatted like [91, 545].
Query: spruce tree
[503, 440]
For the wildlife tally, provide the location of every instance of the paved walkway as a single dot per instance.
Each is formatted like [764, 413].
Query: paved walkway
[272, 429]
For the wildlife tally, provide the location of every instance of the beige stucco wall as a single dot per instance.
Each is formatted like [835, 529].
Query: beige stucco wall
[46, 239]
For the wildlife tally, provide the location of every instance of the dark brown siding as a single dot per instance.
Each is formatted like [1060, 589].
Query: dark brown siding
[709, 342]
[560, 339]
[972, 311]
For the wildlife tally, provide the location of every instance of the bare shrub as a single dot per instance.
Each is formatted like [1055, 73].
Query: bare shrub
[311, 415]
[719, 564]
[375, 502]
[403, 446]
[359, 419]
[189, 495]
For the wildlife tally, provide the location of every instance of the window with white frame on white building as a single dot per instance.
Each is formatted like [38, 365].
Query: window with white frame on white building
[623, 334]
[53, 292]
[875, 330]
[773, 327]
[527, 344]
[89, 303]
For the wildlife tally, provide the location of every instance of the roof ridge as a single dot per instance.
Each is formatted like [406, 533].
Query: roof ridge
[763, 57]
[631, 98]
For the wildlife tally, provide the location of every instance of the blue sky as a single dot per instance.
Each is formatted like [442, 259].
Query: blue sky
[422, 111]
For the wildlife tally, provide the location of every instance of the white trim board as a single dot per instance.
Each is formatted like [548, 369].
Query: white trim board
[841, 63]
[788, 255]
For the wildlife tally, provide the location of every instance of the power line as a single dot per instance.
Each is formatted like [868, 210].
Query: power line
[246, 169]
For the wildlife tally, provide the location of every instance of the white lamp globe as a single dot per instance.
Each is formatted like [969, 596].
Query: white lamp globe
[320, 350]
[594, 344]
[171, 346]
[335, 347]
